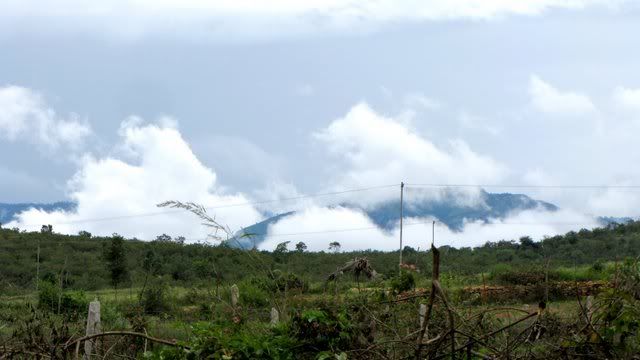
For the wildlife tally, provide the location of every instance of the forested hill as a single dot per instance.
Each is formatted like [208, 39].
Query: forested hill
[80, 257]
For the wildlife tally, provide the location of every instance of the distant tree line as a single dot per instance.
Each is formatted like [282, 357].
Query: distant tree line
[89, 262]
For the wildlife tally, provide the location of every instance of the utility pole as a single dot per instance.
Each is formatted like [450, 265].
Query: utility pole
[401, 216]
[433, 233]
[38, 266]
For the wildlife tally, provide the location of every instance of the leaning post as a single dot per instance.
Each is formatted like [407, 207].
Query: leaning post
[93, 327]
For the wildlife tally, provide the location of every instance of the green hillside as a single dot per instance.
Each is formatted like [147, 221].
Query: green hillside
[80, 257]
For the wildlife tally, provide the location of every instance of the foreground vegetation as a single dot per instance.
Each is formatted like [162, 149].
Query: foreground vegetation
[570, 296]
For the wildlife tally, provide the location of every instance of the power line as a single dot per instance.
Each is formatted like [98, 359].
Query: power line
[526, 186]
[414, 185]
[251, 203]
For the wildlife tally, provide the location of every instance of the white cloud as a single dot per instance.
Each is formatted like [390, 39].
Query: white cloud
[24, 116]
[318, 226]
[205, 19]
[549, 99]
[163, 168]
[370, 149]
[421, 100]
[305, 90]
[627, 98]
[473, 122]
[615, 202]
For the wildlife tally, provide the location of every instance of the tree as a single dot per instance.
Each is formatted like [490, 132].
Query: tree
[281, 251]
[409, 250]
[116, 261]
[301, 247]
[334, 246]
[163, 238]
[151, 263]
[282, 247]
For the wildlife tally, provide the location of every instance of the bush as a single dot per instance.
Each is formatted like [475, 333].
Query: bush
[216, 342]
[405, 282]
[72, 303]
[252, 295]
[322, 330]
[153, 300]
[505, 275]
[279, 281]
[597, 266]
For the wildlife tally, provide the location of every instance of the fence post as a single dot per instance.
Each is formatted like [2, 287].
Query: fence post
[235, 295]
[275, 317]
[93, 327]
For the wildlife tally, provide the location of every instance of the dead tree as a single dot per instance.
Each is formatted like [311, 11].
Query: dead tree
[357, 266]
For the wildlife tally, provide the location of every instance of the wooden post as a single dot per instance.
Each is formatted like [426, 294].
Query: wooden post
[422, 314]
[589, 306]
[235, 295]
[38, 266]
[484, 290]
[93, 327]
[401, 216]
[275, 317]
[546, 281]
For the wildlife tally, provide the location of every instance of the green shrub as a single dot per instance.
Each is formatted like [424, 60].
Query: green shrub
[278, 281]
[71, 303]
[74, 302]
[252, 295]
[404, 282]
[322, 330]
[505, 275]
[154, 297]
[598, 266]
[210, 341]
[48, 294]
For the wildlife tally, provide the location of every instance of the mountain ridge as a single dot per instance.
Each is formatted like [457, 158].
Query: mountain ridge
[447, 208]
[8, 211]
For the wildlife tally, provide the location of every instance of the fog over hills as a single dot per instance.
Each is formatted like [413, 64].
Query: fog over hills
[447, 209]
[9, 211]
[451, 208]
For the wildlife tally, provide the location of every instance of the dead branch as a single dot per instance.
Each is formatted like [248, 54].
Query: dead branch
[78, 341]
[357, 266]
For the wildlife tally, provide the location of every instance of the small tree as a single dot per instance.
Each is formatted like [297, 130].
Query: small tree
[301, 247]
[281, 251]
[163, 238]
[334, 246]
[116, 260]
[282, 247]
[151, 266]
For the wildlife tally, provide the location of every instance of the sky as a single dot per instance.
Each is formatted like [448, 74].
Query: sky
[124, 104]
